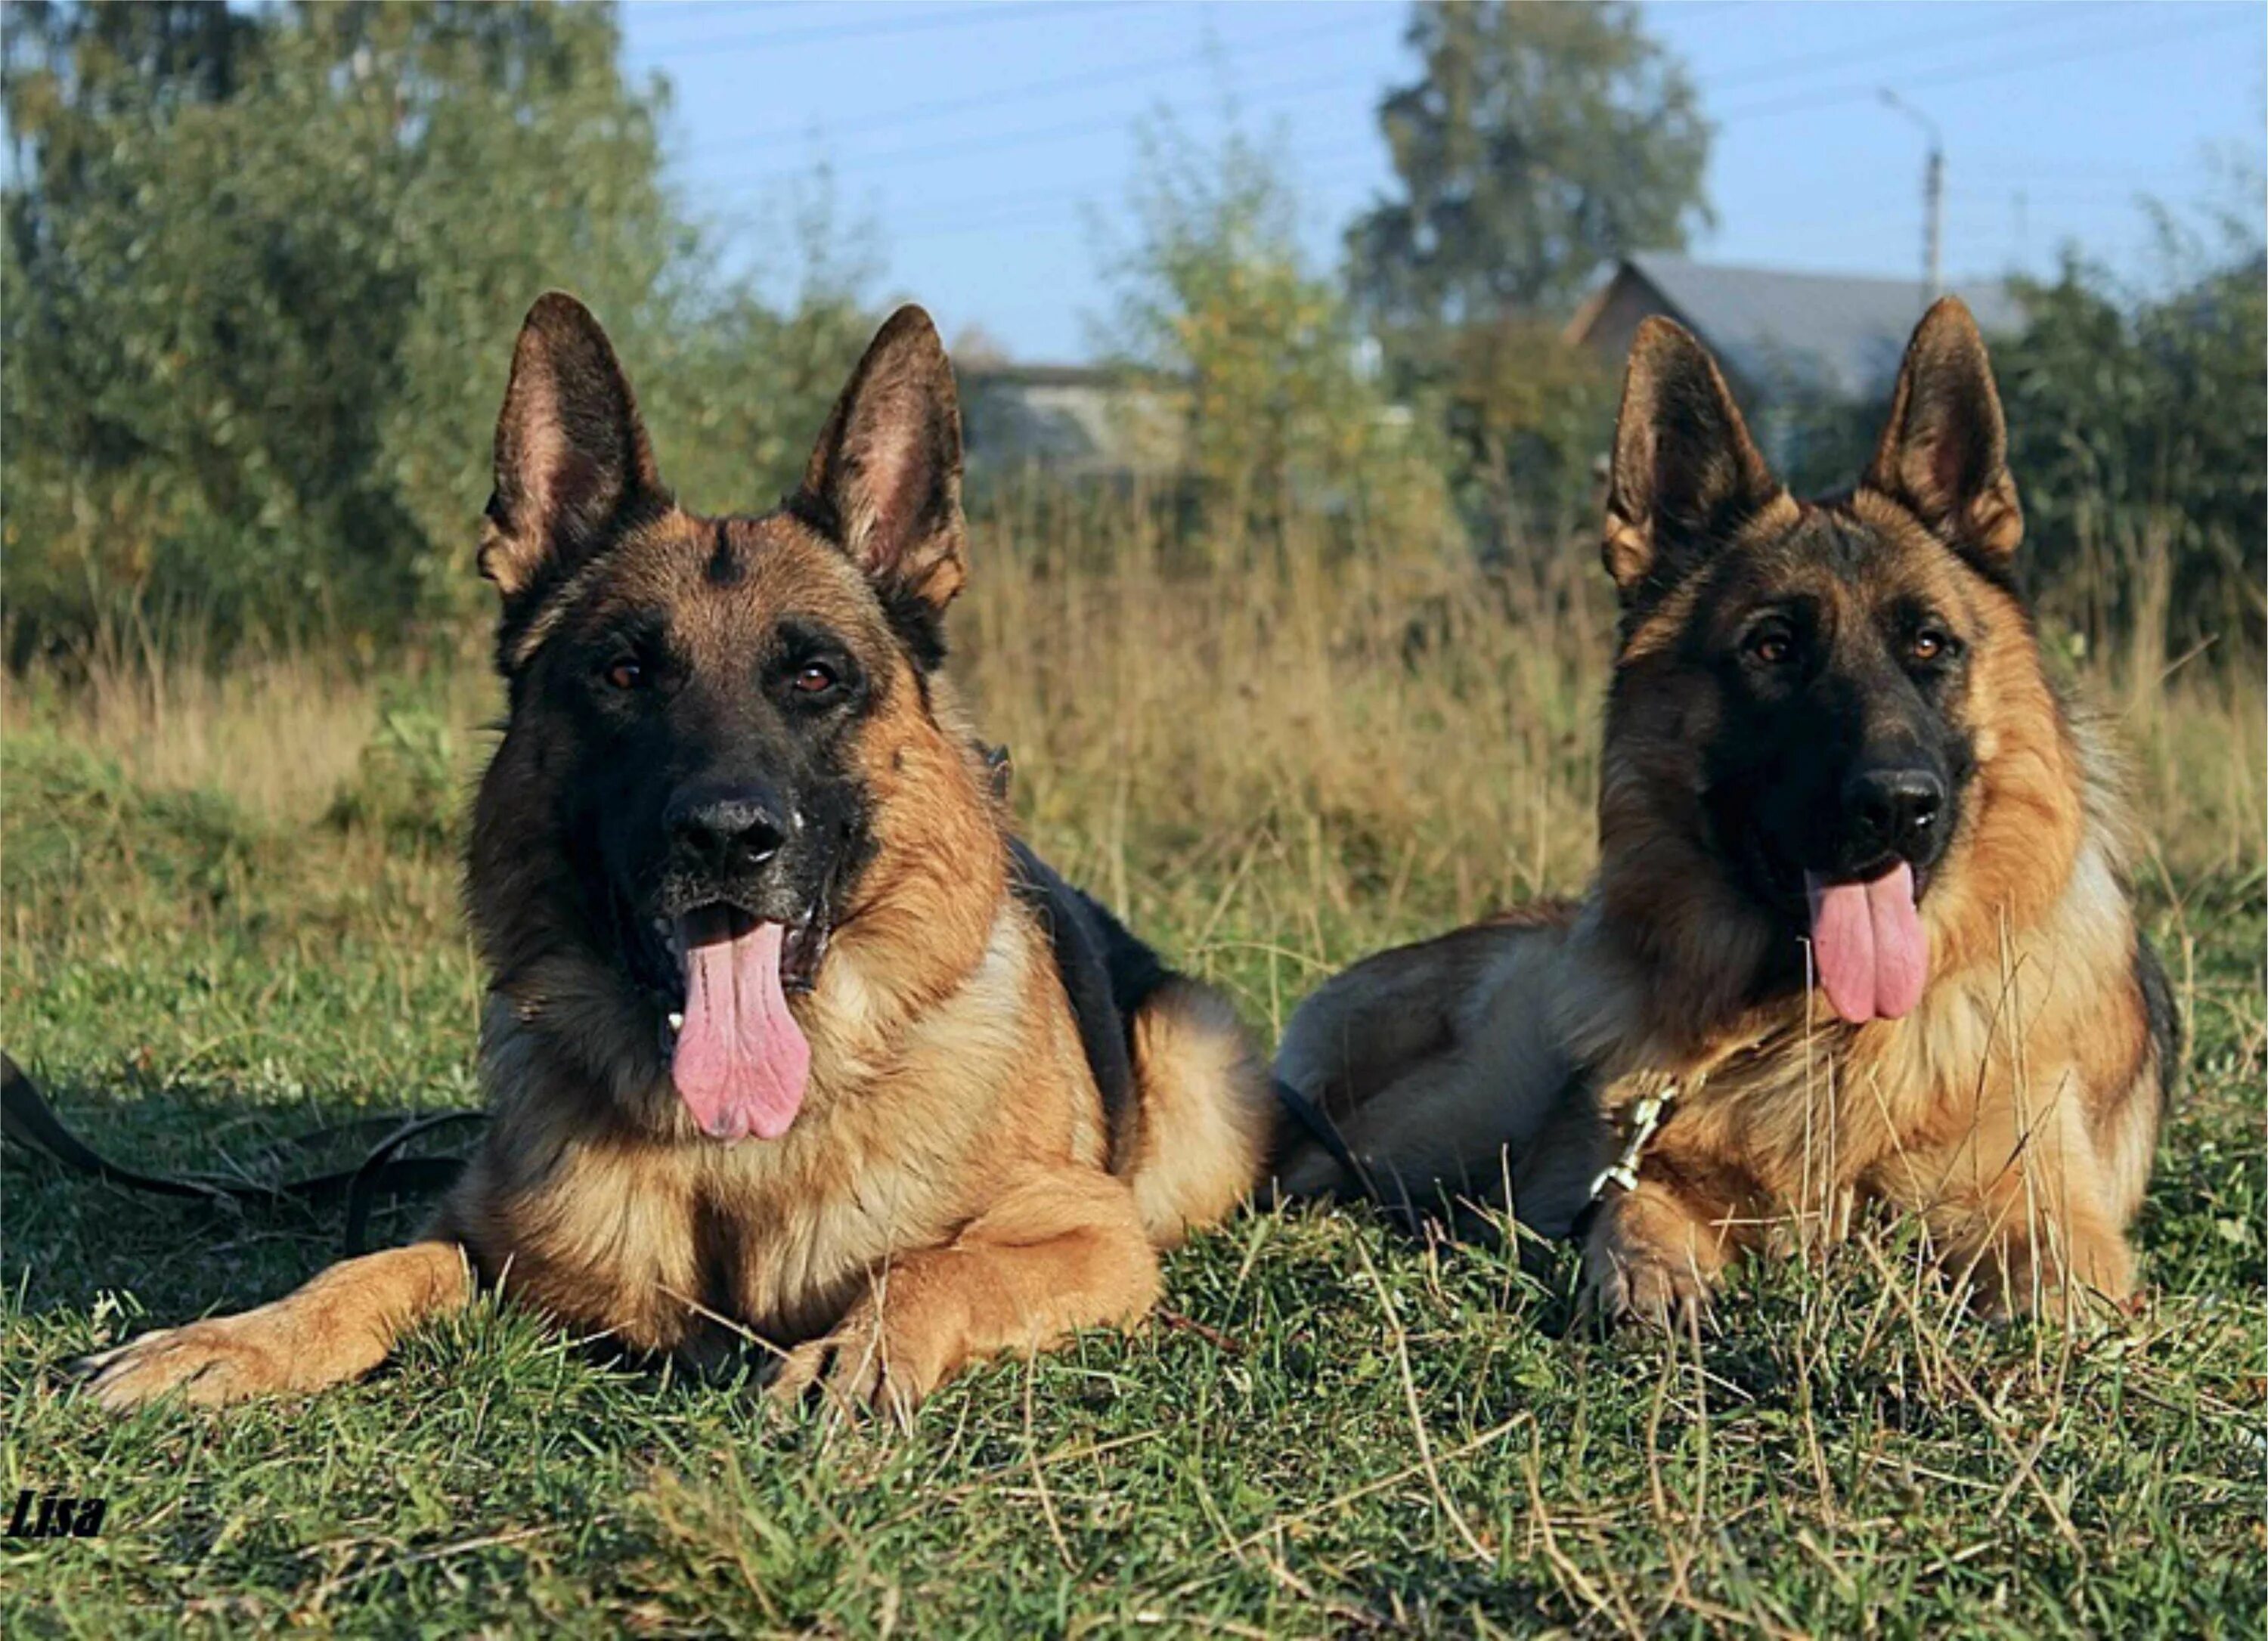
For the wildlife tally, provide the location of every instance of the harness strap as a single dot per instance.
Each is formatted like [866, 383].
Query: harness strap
[28, 1121]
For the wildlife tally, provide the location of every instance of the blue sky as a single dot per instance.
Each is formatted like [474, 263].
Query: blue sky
[983, 142]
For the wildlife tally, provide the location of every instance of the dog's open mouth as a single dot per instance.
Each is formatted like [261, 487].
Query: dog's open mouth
[1867, 943]
[740, 1061]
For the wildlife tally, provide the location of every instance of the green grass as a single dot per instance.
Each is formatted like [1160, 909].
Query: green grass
[1335, 1432]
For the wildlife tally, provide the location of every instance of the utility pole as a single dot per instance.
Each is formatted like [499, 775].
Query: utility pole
[1933, 196]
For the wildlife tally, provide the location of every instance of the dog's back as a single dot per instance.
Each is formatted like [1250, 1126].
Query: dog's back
[1440, 1068]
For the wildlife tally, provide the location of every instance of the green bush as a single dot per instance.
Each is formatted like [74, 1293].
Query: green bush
[412, 779]
[263, 274]
[2137, 429]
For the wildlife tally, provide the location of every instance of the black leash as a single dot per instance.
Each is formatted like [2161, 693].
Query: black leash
[1396, 1205]
[28, 1120]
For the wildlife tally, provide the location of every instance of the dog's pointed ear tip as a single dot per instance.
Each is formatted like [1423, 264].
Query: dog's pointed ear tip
[560, 326]
[1660, 338]
[1949, 326]
[910, 325]
[1663, 354]
[555, 310]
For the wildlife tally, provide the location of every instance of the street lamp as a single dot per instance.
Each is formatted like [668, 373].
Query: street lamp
[1933, 193]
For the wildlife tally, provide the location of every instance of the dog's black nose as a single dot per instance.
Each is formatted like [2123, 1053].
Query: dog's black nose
[1894, 811]
[726, 828]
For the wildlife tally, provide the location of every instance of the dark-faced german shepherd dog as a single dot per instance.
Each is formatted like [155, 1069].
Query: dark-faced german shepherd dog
[786, 1034]
[1861, 917]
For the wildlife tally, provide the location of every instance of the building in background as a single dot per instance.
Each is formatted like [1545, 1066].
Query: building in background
[1805, 353]
[1075, 421]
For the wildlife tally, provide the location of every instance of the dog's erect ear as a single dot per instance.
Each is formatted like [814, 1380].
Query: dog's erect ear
[1945, 453]
[886, 474]
[1686, 474]
[571, 452]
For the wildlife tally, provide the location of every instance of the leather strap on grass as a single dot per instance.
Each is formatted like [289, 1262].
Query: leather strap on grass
[28, 1121]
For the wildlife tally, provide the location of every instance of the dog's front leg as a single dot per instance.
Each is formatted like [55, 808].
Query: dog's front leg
[1655, 1252]
[2018, 1206]
[1055, 1252]
[338, 1327]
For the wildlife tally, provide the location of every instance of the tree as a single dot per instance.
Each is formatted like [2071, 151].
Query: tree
[2136, 430]
[1261, 355]
[1537, 143]
[260, 268]
[263, 269]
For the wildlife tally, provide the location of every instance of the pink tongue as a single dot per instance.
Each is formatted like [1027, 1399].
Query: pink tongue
[742, 1062]
[1867, 940]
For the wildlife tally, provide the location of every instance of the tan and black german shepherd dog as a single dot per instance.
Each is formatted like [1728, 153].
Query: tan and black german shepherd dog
[786, 1033]
[1861, 915]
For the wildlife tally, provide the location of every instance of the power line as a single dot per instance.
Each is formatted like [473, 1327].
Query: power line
[1021, 136]
[986, 213]
[923, 22]
[1088, 80]
[1990, 70]
[2025, 17]
[1013, 210]
[1025, 137]
[679, 11]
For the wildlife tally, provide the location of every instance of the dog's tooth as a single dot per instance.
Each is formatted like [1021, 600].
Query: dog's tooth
[676, 1021]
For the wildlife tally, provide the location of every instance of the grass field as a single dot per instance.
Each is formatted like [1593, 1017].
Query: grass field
[230, 908]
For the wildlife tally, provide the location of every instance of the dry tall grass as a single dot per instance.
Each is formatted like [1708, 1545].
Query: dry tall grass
[1288, 758]
[278, 730]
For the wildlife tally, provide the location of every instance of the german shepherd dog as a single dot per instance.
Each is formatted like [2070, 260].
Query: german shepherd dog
[786, 1034]
[1860, 927]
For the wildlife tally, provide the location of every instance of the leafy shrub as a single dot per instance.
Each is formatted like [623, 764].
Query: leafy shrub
[411, 784]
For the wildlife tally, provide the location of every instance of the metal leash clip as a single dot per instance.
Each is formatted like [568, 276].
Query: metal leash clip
[1647, 1118]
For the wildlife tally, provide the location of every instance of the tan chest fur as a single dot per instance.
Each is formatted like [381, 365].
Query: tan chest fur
[2036, 1042]
[645, 1231]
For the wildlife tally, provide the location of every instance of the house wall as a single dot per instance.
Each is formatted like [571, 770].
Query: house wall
[1080, 426]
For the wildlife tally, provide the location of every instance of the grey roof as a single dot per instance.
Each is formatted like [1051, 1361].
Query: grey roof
[1826, 331]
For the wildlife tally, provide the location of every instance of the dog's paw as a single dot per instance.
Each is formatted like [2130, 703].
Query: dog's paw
[880, 1357]
[1652, 1257]
[209, 1363]
[1657, 1289]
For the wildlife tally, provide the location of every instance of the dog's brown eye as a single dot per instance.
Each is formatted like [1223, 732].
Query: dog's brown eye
[814, 678]
[1927, 646]
[626, 674]
[1771, 646]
